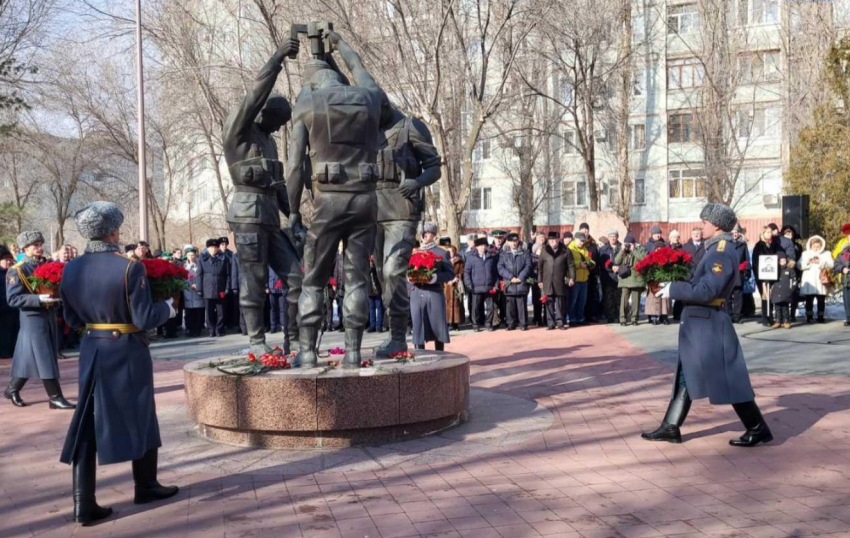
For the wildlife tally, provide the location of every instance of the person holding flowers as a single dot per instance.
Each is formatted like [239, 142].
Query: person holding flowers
[31, 287]
[514, 269]
[557, 274]
[479, 276]
[428, 270]
[111, 298]
[711, 361]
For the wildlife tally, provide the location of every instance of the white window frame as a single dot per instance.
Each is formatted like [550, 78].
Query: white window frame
[570, 142]
[572, 192]
[637, 136]
[758, 67]
[484, 197]
[683, 19]
[757, 12]
[692, 129]
[639, 186]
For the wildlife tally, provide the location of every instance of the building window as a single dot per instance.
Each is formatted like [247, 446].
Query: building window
[480, 198]
[613, 193]
[570, 146]
[682, 19]
[574, 193]
[482, 150]
[640, 191]
[639, 82]
[637, 136]
[681, 128]
[753, 12]
[685, 74]
[758, 122]
[686, 183]
[759, 67]
[565, 90]
[638, 28]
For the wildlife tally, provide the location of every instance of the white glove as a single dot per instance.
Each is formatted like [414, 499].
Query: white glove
[172, 312]
[664, 291]
[433, 279]
[43, 297]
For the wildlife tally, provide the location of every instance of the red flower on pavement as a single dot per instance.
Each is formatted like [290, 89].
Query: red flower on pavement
[367, 363]
[252, 357]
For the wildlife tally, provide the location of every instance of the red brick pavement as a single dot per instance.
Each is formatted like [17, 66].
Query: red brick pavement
[589, 475]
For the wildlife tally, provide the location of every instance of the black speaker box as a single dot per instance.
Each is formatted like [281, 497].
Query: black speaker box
[795, 211]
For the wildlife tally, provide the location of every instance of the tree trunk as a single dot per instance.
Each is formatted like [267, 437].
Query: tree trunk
[590, 153]
[624, 200]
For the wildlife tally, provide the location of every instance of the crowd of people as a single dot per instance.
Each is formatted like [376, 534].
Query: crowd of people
[571, 279]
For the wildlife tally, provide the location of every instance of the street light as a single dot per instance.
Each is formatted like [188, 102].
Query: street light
[140, 106]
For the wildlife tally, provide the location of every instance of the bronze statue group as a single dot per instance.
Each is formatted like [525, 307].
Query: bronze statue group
[364, 164]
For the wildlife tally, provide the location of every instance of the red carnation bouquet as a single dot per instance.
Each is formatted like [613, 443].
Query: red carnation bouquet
[664, 265]
[422, 266]
[46, 278]
[167, 279]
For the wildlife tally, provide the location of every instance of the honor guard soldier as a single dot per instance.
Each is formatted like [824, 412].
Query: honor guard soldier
[259, 198]
[37, 349]
[333, 150]
[407, 163]
[109, 297]
[711, 361]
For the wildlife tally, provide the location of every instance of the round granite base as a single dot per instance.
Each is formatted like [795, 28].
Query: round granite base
[314, 408]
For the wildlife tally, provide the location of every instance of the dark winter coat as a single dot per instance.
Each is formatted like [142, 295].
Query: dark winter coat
[842, 261]
[374, 282]
[339, 274]
[215, 276]
[710, 355]
[10, 322]
[516, 264]
[696, 252]
[782, 291]
[194, 298]
[480, 274]
[556, 268]
[116, 372]
[37, 348]
[607, 255]
[654, 245]
[763, 249]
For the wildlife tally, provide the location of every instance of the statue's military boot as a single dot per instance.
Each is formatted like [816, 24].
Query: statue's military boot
[306, 358]
[397, 341]
[256, 331]
[353, 341]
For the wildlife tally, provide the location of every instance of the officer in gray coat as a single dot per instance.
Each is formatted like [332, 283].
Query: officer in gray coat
[407, 163]
[711, 361]
[333, 151]
[37, 348]
[109, 296]
[428, 301]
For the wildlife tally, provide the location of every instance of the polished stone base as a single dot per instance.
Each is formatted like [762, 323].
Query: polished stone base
[314, 408]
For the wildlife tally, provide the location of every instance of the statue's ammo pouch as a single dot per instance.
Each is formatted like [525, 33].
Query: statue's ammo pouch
[387, 168]
[325, 173]
[261, 173]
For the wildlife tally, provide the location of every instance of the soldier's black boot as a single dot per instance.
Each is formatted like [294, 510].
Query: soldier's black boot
[353, 341]
[677, 412]
[757, 430]
[86, 509]
[397, 341]
[13, 391]
[54, 393]
[306, 357]
[144, 475]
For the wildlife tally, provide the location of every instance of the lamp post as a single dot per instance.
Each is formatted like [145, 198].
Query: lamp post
[140, 106]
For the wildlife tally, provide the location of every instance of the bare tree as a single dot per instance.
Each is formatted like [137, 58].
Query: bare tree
[19, 172]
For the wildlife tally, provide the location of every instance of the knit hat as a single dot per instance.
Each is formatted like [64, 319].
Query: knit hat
[431, 228]
[629, 239]
[845, 229]
[568, 235]
[613, 232]
[584, 226]
[655, 230]
[720, 215]
[5, 252]
[480, 241]
[223, 240]
[212, 243]
[772, 225]
[98, 219]
[28, 238]
[580, 236]
[553, 235]
[445, 241]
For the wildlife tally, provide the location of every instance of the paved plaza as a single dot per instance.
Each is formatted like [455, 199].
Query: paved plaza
[552, 449]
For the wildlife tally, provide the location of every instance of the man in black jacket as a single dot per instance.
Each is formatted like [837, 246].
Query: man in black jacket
[557, 274]
[216, 285]
[736, 303]
[514, 268]
[480, 276]
[609, 279]
[695, 246]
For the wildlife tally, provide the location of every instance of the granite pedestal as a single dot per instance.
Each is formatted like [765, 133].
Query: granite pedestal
[318, 408]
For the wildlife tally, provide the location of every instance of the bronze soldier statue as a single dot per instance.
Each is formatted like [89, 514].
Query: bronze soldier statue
[259, 198]
[336, 125]
[407, 162]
